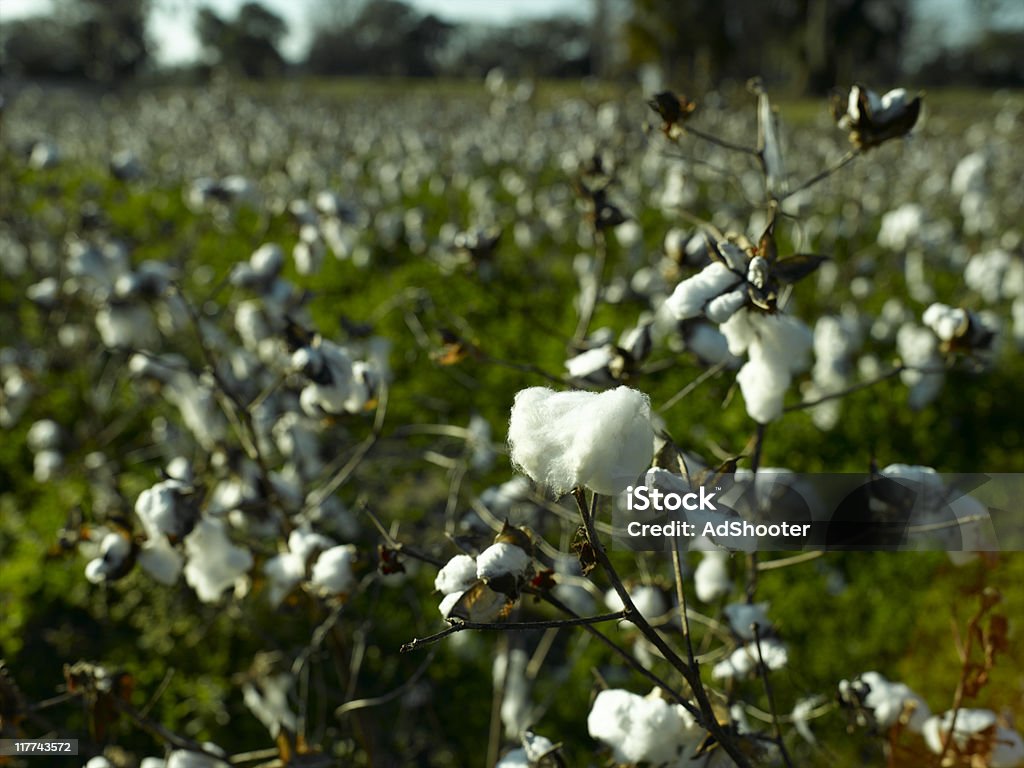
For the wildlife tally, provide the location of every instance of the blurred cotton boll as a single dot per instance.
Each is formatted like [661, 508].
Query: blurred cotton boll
[711, 579]
[566, 440]
[332, 573]
[214, 563]
[642, 728]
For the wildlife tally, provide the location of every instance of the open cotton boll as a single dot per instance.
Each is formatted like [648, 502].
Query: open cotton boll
[977, 727]
[744, 660]
[690, 296]
[536, 746]
[114, 551]
[722, 307]
[648, 600]
[332, 572]
[742, 617]
[184, 758]
[565, 440]
[516, 758]
[267, 699]
[283, 572]
[763, 380]
[46, 464]
[502, 559]
[888, 701]
[448, 602]
[945, 321]
[711, 579]
[214, 563]
[456, 575]
[161, 510]
[43, 435]
[642, 728]
[161, 561]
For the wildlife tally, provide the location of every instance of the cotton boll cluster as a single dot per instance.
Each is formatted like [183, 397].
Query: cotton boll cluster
[836, 340]
[565, 440]
[266, 696]
[214, 563]
[871, 119]
[115, 558]
[44, 440]
[536, 752]
[901, 227]
[976, 732]
[484, 587]
[332, 572]
[694, 296]
[882, 703]
[184, 758]
[996, 275]
[743, 662]
[644, 728]
[918, 348]
[777, 346]
[285, 571]
[336, 383]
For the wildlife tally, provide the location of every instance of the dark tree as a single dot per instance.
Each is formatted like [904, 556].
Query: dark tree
[248, 44]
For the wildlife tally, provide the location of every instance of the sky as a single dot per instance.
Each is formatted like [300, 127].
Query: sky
[171, 25]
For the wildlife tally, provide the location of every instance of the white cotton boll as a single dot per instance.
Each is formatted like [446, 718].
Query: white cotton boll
[888, 701]
[516, 758]
[710, 345]
[126, 326]
[536, 746]
[801, 717]
[43, 435]
[161, 561]
[742, 617]
[45, 465]
[214, 563]
[690, 296]
[725, 306]
[739, 332]
[900, 226]
[308, 256]
[571, 439]
[502, 559]
[642, 729]
[283, 572]
[153, 762]
[711, 578]
[763, 380]
[267, 260]
[785, 338]
[995, 274]
[303, 543]
[183, 758]
[591, 362]
[114, 550]
[649, 601]
[969, 174]
[448, 602]
[945, 321]
[457, 575]
[268, 701]
[744, 660]
[500, 499]
[99, 762]
[969, 724]
[332, 572]
[160, 510]
[45, 293]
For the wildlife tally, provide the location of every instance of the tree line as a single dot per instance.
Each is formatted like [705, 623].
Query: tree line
[808, 45]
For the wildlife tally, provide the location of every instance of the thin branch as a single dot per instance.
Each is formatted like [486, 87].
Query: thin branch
[763, 671]
[843, 161]
[752, 151]
[685, 391]
[457, 625]
[384, 698]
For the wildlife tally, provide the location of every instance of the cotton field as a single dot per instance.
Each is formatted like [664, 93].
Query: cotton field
[319, 405]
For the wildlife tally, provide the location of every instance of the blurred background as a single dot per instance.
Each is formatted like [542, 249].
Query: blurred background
[797, 46]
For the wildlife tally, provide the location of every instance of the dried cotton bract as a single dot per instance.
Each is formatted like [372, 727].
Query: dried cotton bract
[565, 440]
